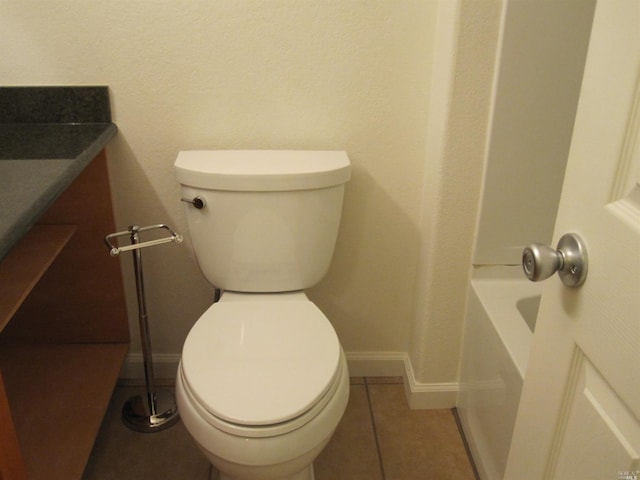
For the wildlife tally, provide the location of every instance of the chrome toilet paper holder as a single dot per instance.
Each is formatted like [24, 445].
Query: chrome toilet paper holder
[158, 411]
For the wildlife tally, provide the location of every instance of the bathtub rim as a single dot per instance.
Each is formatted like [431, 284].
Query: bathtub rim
[498, 289]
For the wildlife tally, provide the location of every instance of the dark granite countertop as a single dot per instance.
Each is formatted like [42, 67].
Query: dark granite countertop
[38, 161]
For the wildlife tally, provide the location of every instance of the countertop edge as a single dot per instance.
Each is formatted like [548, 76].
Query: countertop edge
[30, 216]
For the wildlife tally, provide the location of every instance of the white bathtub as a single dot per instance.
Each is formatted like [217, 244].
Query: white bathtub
[501, 313]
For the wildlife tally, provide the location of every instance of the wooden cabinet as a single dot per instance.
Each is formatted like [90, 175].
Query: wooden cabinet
[64, 334]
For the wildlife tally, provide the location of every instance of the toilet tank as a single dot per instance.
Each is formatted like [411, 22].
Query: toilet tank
[270, 217]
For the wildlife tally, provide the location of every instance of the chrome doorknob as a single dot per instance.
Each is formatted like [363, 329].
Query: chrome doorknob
[540, 261]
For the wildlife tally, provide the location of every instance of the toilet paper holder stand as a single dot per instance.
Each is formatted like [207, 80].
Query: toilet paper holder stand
[158, 411]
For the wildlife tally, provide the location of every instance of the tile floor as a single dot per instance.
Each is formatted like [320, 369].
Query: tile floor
[379, 438]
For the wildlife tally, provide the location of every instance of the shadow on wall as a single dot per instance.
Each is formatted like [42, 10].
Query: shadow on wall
[368, 291]
[175, 290]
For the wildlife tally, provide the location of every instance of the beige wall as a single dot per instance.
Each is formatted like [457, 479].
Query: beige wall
[403, 86]
[185, 74]
[452, 187]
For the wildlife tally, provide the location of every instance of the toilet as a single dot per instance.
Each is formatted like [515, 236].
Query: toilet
[263, 381]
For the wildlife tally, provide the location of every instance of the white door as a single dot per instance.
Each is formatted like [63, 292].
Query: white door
[580, 406]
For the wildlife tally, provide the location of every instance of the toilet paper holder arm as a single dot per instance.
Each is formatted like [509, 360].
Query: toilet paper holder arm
[115, 250]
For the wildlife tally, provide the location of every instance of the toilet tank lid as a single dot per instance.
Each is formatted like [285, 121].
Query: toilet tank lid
[262, 170]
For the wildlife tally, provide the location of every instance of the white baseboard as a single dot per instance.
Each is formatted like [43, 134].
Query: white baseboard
[361, 364]
[425, 396]
[165, 366]
[376, 364]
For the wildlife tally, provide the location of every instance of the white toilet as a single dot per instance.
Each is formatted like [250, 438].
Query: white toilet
[263, 381]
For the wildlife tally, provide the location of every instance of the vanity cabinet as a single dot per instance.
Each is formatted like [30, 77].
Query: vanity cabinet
[64, 333]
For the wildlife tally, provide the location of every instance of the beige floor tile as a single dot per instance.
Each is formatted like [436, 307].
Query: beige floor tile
[351, 454]
[122, 454]
[416, 444]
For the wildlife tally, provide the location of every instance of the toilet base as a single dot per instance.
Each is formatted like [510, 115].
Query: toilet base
[306, 474]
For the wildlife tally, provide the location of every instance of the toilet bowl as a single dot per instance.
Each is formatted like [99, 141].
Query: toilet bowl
[262, 385]
[263, 381]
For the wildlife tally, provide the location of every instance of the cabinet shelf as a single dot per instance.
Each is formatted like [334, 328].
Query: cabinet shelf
[26, 263]
[58, 395]
[63, 334]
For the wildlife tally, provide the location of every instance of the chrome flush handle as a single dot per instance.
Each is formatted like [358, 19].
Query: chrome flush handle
[197, 202]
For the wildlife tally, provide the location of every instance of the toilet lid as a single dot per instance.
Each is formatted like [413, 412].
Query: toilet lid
[260, 362]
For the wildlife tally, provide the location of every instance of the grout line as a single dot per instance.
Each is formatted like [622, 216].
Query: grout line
[373, 425]
[454, 411]
[383, 380]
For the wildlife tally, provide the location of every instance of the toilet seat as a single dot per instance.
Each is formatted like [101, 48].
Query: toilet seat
[283, 353]
[264, 431]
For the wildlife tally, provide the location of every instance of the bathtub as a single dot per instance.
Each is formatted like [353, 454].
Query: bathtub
[501, 312]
